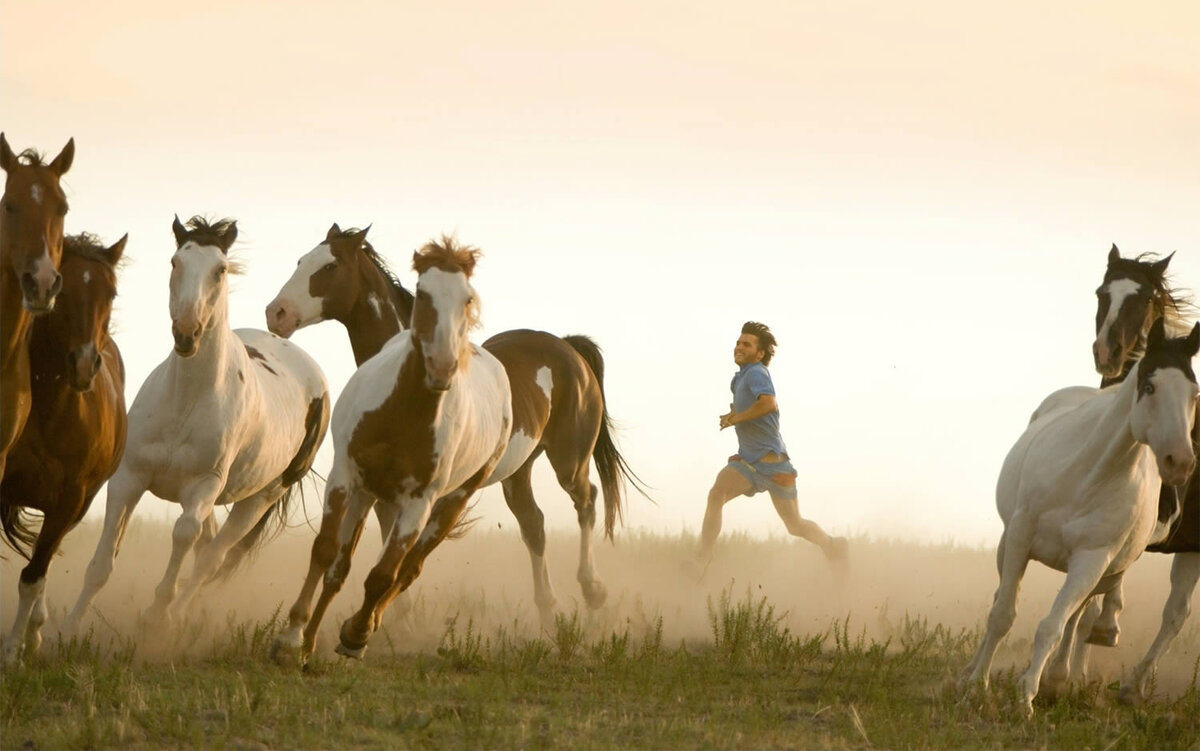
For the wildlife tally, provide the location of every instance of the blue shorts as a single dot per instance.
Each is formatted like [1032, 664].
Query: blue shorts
[776, 478]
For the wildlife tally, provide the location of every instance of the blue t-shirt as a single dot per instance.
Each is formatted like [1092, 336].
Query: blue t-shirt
[760, 436]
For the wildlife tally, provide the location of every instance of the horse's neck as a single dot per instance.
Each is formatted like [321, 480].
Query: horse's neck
[15, 321]
[1120, 377]
[1110, 446]
[369, 325]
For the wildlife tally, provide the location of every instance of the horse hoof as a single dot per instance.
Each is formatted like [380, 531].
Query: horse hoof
[1129, 695]
[351, 652]
[1103, 637]
[595, 594]
[285, 654]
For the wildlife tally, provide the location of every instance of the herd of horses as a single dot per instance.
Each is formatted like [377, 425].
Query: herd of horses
[235, 417]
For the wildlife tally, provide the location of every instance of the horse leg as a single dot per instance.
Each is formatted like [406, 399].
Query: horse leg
[1084, 571]
[445, 514]
[1062, 662]
[518, 494]
[1081, 657]
[207, 533]
[197, 499]
[26, 634]
[1106, 630]
[1012, 558]
[125, 489]
[242, 518]
[571, 465]
[386, 514]
[346, 509]
[1185, 572]
[414, 514]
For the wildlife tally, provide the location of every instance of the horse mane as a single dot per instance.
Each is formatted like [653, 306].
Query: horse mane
[447, 255]
[402, 299]
[1175, 305]
[203, 231]
[31, 158]
[89, 247]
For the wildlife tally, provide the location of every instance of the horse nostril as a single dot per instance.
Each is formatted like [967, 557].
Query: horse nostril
[28, 283]
[57, 286]
[96, 362]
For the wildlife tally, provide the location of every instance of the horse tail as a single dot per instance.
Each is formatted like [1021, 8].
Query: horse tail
[610, 465]
[18, 529]
[275, 518]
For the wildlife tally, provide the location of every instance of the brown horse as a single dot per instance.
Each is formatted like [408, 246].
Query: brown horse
[558, 409]
[31, 231]
[75, 435]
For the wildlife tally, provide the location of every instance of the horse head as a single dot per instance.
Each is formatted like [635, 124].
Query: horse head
[1165, 411]
[446, 309]
[327, 284]
[31, 223]
[80, 321]
[1133, 294]
[199, 287]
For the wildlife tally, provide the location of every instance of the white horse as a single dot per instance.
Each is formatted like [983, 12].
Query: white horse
[230, 417]
[1079, 492]
[424, 421]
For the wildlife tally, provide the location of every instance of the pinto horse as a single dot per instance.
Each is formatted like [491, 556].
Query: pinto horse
[75, 435]
[425, 421]
[557, 391]
[31, 247]
[1079, 491]
[230, 417]
[1134, 294]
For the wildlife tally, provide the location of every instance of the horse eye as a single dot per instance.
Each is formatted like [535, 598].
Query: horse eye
[1148, 389]
[62, 210]
[329, 266]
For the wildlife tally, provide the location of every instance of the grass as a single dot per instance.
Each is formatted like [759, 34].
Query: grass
[580, 683]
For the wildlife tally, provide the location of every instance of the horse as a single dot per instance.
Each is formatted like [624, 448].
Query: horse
[557, 386]
[230, 417]
[1079, 491]
[31, 247]
[75, 434]
[426, 420]
[1134, 293]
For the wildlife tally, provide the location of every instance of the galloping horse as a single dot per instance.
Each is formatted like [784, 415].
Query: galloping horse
[426, 420]
[557, 387]
[75, 435]
[1079, 491]
[230, 417]
[1134, 294]
[31, 241]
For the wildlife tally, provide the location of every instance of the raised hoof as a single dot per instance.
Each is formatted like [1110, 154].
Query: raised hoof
[351, 652]
[1103, 637]
[595, 594]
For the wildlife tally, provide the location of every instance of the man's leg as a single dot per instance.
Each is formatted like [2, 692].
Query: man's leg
[729, 484]
[789, 510]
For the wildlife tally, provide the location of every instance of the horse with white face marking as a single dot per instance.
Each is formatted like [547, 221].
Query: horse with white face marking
[426, 420]
[558, 402]
[1079, 491]
[1134, 294]
[230, 417]
[31, 247]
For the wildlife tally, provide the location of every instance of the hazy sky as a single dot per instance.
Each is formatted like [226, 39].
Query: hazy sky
[918, 198]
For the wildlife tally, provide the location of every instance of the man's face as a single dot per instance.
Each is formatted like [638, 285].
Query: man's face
[746, 350]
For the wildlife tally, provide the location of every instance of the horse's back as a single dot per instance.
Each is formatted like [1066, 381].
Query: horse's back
[282, 357]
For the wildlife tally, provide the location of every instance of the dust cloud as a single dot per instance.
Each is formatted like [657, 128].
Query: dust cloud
[485, 579]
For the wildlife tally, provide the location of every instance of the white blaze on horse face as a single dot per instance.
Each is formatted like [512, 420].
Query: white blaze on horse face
[450, 294]
[1164, 420]
[295, 298]
[36, 192]
[197, 282]
[1118, 292]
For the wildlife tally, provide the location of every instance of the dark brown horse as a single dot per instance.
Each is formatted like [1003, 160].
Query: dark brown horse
[31, 232]
[75, 435]
[558, 409]
[1134, 294]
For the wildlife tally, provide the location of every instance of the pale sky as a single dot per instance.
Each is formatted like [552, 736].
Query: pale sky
[917, 197]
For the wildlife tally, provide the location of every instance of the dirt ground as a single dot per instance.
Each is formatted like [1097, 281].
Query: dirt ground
[485, 578]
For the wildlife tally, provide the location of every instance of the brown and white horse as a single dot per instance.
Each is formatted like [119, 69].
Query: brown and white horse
[31, 239]
[75, 435]
[229, 418]
[1134, 294]
[557, 395]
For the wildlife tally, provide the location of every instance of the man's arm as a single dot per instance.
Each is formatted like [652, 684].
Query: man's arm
[764, 405]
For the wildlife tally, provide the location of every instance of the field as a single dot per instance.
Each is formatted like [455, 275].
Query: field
[769, 650]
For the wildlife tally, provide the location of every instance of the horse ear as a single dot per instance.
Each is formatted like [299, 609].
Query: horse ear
[179, 230]
[229, 237]
[333, 232]
[1114, 255]
[360, 237]
[62, 162]
[1160, 267]
[114, 253]
[1158, 333]
[1193, 340]
[8, 160]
